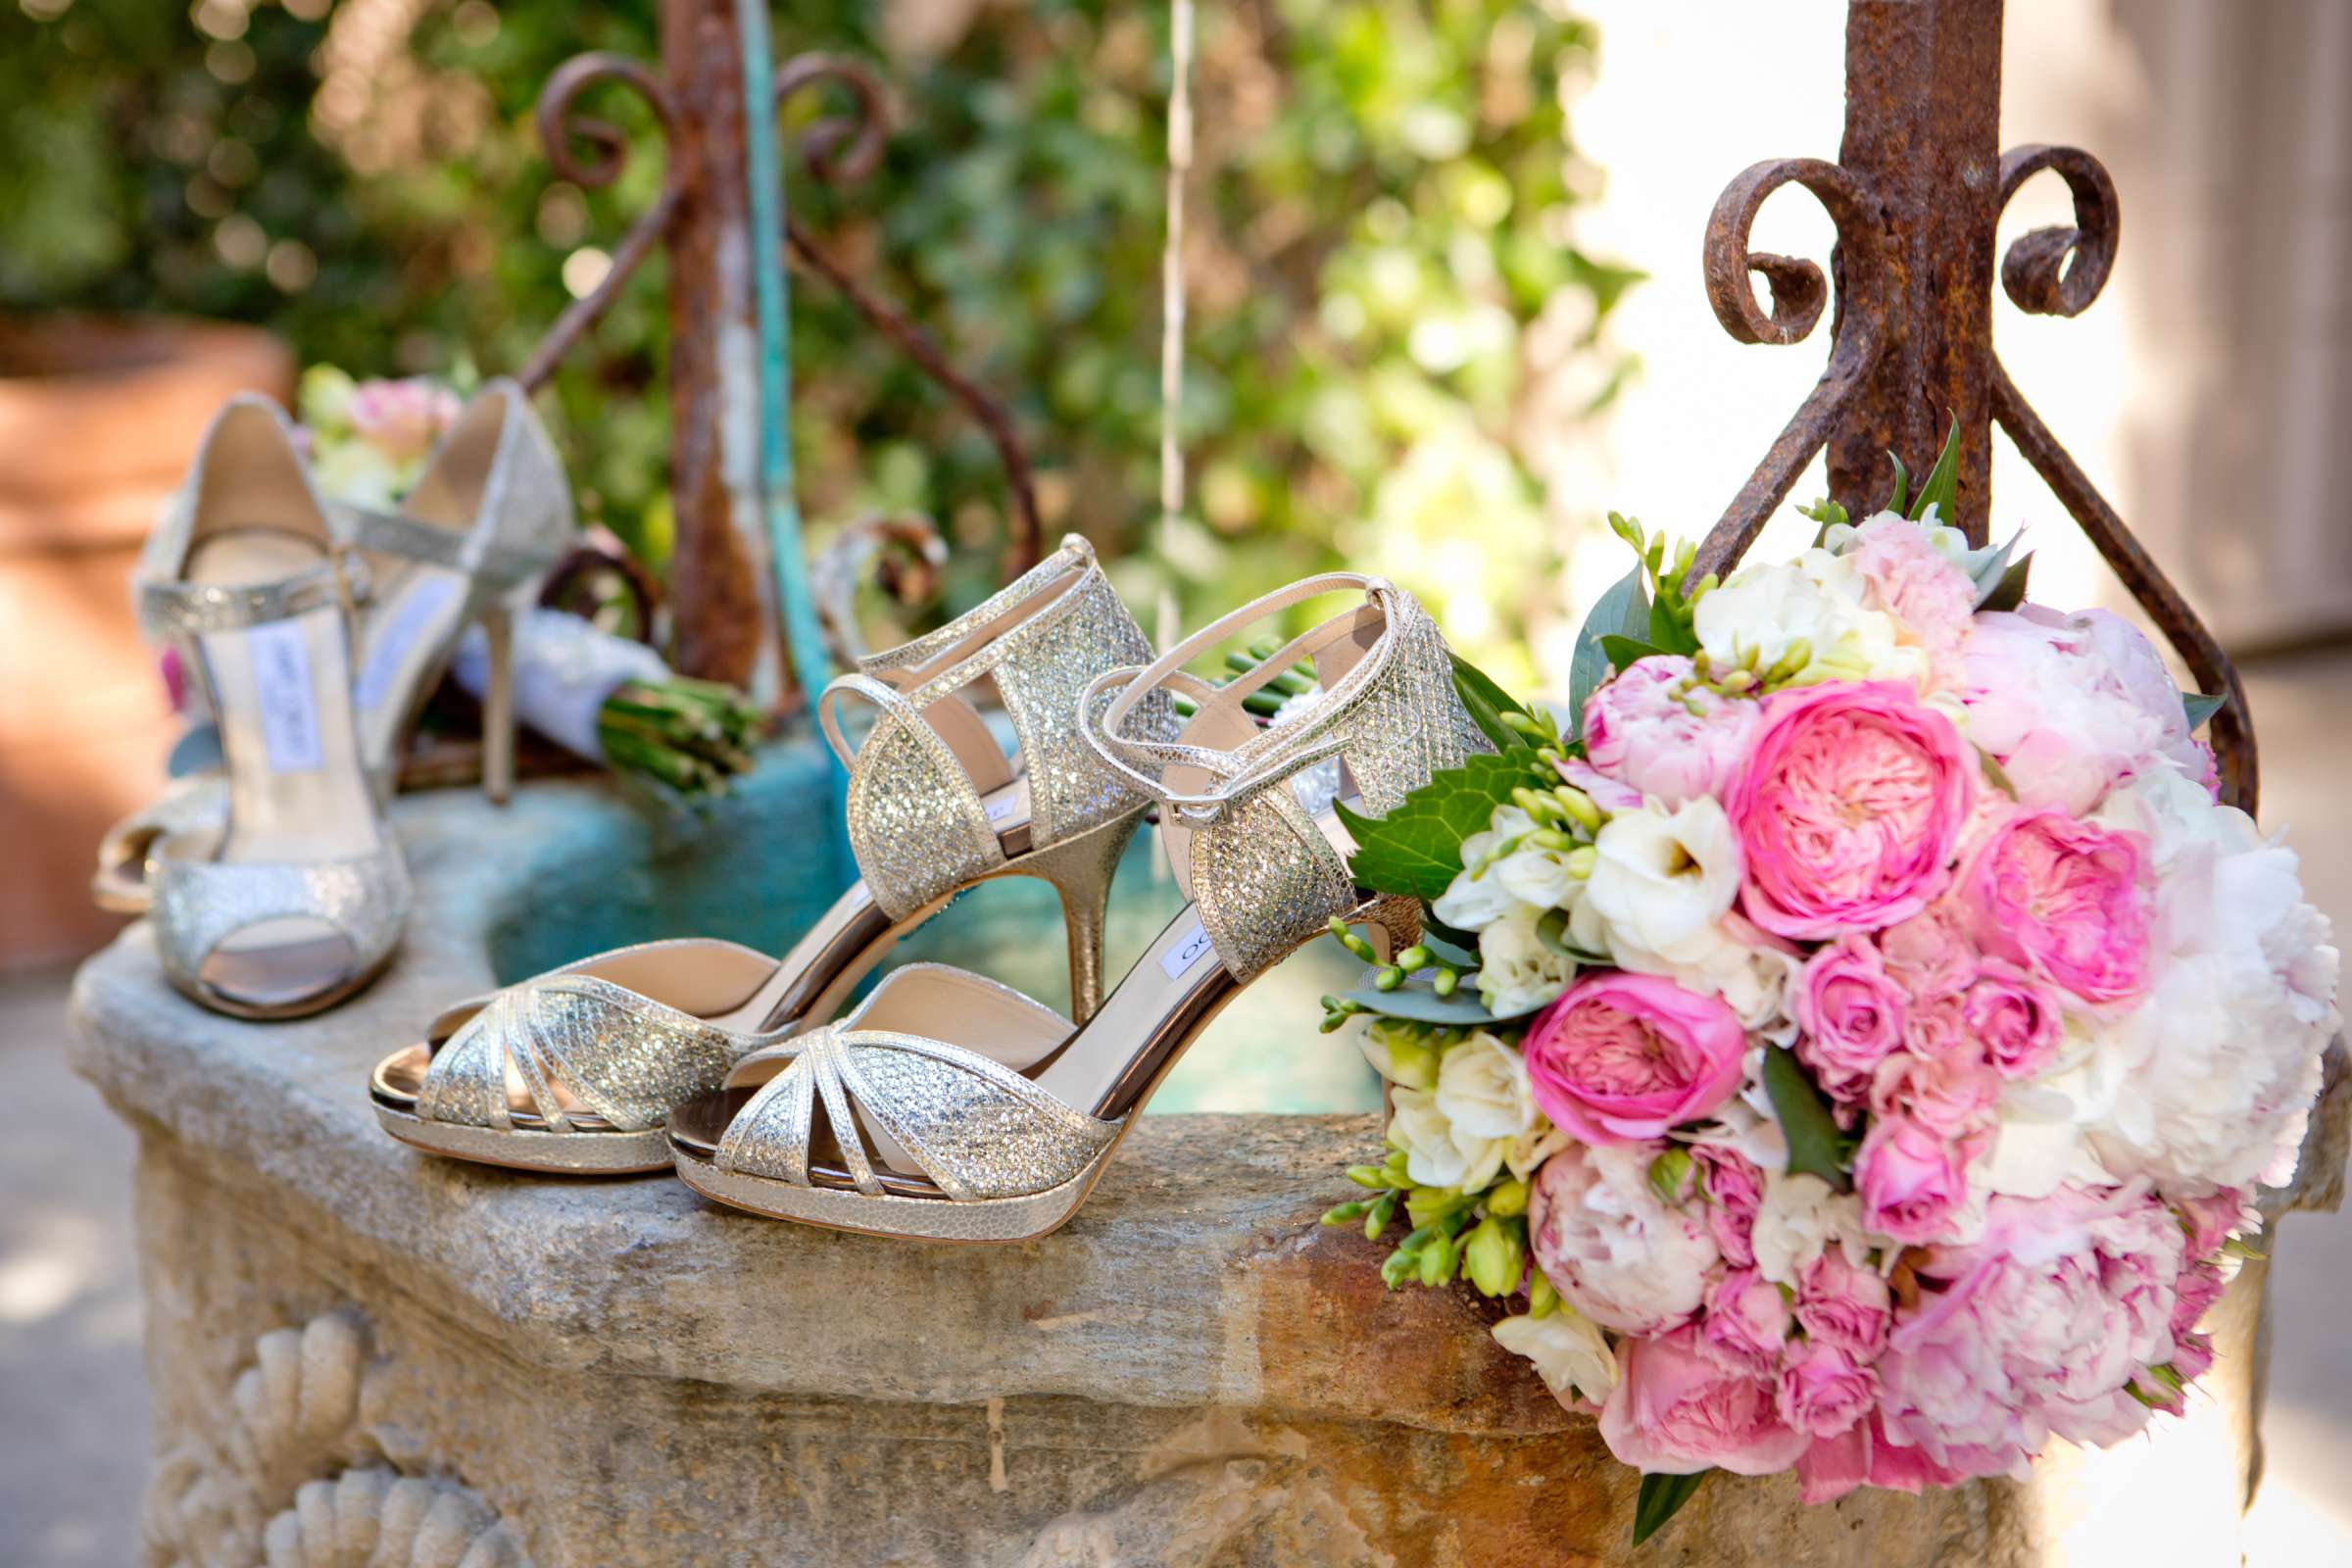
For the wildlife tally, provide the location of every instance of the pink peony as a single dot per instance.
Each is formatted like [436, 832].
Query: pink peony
[1930, 598]
[2014, 1019]
[1620, 1058]
[2067, 899]
[1676, 1412]
[1746, 1323]
[1608, 793]
[1840, 1305]
[1655, 731]
[1861, 1455]
[1930, 953]
[1950, 1096]
[402, 420]
[2035, 1330]
[1913, 1183]
[1850, 1014]
[1620, 1254]
[1733, 1187]
[1824, 1390]
[1849, 808]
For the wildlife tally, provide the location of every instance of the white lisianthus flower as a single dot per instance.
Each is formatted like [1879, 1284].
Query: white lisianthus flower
[1517, 970]
[1661, 882]
[1528, 877]
[1570, 1352]
[1815, 600]
[1801, 1218]
[1533, 1148]
[2209, 1082]
[1436, 1152]
[1483, 1089]
[1752, 979]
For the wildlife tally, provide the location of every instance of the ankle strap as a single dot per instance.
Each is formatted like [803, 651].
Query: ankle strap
[409, 538]
[1142, 761]
[180, 608]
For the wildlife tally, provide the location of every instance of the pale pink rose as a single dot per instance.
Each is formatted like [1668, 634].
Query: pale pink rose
[1838, 1304]
[1931, 599]
[1937, 1027]
[1620, 1058]
[1849, 1016]
[2013, 1018]
[2035, 1330]
[1607, 794]
[1950, 1096]
[1849, 808]
[1733, 1187]
[1824, 1390]
[1913, 1183]
[2069, 900]
[1655, 731]
[402, 420]
[1861, 1456]
[1676, 1412]
[1746, 1322]
[1930, 953]
[1621, 1256]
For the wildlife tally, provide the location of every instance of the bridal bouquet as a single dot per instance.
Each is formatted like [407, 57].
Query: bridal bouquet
[1851, 1047]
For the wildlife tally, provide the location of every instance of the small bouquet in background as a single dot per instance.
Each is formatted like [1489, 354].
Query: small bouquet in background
[1851, 1045]
[606, 699]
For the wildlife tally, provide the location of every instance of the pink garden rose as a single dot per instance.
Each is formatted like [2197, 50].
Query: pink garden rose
[1620, 1058]
[1849, 808]
[1837, 1303]
[1674, 1412]
[2038, 1330]
[1850, 1014]
[1951, 1096]
[1930, 953]
[1656, 732]
[1733, 1187]
[1913, 1183]
[2013, 1018]
[1930, 598]
[1937, 1027]
[2070, 900]
[1746, 1323]
[1620, 1254]
[402, 420]
[1823, 1389]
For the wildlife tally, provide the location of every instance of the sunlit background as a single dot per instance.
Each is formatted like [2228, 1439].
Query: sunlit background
[1446, 312]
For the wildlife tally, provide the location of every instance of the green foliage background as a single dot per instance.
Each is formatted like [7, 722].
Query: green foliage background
[1379, 200]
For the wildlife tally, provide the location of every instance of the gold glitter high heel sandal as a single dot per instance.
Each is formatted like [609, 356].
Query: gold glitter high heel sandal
[578, 1070]
[294, 897]
[998, 1135]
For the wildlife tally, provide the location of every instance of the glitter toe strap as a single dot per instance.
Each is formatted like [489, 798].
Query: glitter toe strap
[199, 903]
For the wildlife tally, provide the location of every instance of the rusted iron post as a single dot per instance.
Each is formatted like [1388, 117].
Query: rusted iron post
[1923, 126]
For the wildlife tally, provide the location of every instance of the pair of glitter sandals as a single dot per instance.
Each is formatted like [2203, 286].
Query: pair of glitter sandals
[945, 1106]
[311, 632]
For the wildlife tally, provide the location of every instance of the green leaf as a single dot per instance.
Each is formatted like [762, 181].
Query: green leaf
[2010, 591]
[1815, 1144]
[1987, 573]
[1660, 1500]
[1486, 702]
[1417, 849]
[1996, 776]
[1416, 1001]
[1625, 651]
[1903, 485]
[1623, 612]
[1667, 633]
[2199, 707]
[1941, 489]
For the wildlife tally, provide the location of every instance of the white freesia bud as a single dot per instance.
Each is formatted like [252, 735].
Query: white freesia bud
[1436, 1152]
[1483, 1089]
[1570, 1352]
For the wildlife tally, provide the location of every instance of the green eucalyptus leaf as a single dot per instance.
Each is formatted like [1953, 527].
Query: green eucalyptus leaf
[1486, 702]
[1941, 489]
[1417, 849]
[2010, 591]
[1623, 612]
[1989, 572]
[1416, 1001]
[1455, 949]
[1662, 1497]
[2199, 707]
[1623, 652]
[1815, 1144]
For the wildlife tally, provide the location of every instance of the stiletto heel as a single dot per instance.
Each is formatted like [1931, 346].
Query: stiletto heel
[998, 1135]
[498, 704]
[578, 1070]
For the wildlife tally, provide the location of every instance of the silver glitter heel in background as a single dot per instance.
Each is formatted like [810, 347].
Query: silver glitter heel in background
[578, 1070]
[948, 1108]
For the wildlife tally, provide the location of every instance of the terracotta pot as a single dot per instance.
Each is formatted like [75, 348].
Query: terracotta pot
[97, 421]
